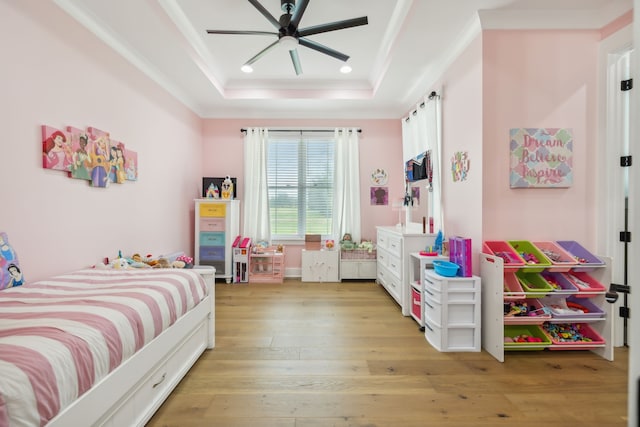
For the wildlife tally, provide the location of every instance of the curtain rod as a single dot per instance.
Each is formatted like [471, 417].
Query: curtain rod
[301, 130]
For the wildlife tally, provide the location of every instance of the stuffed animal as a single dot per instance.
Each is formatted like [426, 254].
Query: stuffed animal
[346, 244]
[120, 264]
[213, 192]
[366, 245]
[162, 263]
[227, 188]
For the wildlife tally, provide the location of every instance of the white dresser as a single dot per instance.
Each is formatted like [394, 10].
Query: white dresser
[395, 245]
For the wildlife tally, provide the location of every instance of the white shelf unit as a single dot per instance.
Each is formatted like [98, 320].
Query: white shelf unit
[358, 264]
[452, 307]
[217, 224]
[419, 265]
[492, 271]
[394, 246]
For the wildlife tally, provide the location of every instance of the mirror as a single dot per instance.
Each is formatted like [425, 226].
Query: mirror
[418, 205]
[418, 177]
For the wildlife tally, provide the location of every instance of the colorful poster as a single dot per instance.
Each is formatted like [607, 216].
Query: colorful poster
[541, 157]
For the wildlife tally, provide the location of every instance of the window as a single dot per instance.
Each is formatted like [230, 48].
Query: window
[300, 181]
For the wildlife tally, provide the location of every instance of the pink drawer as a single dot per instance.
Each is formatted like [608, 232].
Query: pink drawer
[211, 224]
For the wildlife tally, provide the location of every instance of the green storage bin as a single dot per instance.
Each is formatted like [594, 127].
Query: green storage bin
[535, 260]
[512, 332]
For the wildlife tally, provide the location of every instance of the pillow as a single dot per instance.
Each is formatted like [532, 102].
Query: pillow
[10, 273]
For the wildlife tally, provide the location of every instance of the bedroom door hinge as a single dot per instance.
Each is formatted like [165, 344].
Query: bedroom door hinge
[625, 236]
[625, 161]
[626, 85]
[625, 312]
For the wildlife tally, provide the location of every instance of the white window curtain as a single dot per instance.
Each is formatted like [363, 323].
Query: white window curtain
[256, 206]
[422, 131]
[346, 202]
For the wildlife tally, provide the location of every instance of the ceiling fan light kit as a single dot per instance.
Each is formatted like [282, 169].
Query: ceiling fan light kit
[290, 36]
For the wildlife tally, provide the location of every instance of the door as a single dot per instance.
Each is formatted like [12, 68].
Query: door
[618, 160]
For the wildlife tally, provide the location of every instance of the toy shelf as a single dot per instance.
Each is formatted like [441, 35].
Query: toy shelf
[500, 285]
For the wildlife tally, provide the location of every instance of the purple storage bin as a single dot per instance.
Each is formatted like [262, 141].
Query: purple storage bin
[565, 286]
[592, 311]
[583, 256]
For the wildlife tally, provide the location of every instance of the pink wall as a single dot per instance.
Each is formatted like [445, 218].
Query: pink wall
[462, 131]
[539, 79]
[380, 147]
[56, 73]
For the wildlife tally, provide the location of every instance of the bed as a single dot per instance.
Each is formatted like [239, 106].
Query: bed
[101, 347]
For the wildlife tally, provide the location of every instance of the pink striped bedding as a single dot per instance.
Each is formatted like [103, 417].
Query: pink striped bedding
[60, 336]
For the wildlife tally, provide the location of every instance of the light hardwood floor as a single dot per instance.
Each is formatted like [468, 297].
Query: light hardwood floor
[341, 354]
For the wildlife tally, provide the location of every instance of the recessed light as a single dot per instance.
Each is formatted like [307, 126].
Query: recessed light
[247, 68]
[345, 69]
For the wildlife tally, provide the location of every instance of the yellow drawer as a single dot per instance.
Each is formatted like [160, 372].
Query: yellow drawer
[213, 209]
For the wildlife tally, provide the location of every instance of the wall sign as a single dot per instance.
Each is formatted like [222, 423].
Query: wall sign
[541, 157]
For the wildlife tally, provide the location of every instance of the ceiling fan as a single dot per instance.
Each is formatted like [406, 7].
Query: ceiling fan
[290, 36]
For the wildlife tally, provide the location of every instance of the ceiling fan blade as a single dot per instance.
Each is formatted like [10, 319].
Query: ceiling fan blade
[298, 12]
[262, 53]
[265, 13]
[258, 33]
[296, 61]
[323, 49]
[333, 26]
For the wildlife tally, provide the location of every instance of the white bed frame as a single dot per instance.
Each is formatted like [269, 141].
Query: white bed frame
[133, 392]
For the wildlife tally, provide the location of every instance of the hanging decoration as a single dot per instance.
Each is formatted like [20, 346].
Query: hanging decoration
[88, 154]
[379, 177]
[460, 166]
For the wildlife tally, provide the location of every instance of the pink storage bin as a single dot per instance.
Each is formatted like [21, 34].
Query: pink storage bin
[505, 251]
[561, 260]
[587, 286]
[512, 289]
[535, 306]
[593, 338]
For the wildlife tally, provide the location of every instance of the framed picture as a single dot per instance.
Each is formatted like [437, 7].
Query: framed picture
[380, 196]
[217, 181]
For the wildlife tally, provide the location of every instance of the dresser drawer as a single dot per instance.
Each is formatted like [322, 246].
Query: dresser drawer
[390, 283]
[394, 264]
[395, 246]
[213, 209]
[211, 224]
[212, 253]
[211, 238]
[432, 311]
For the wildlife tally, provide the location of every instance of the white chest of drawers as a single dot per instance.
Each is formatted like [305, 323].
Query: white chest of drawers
[452, 317]
[394, 247]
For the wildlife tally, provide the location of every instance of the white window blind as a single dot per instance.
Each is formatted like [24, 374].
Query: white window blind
[300, 181]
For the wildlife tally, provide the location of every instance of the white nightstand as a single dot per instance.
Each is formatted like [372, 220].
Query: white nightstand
[320, 266]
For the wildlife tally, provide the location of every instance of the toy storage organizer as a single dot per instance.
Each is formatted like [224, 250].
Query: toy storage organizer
[553, 289]
[266, 265]
[451, 315]
[217, 223]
